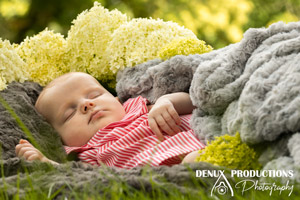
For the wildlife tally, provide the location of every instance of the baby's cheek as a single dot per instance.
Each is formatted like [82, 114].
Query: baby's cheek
[71, 136]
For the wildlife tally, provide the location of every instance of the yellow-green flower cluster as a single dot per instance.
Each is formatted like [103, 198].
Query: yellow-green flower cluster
[101, 42]
[12, 67]
[139, 40]
[229, 151]
[88, 40]
[44, 55]
[184, 46]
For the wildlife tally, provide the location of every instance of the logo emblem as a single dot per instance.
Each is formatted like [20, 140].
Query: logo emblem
[222, 186]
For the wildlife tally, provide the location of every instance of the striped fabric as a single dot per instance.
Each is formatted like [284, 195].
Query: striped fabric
[130, 142]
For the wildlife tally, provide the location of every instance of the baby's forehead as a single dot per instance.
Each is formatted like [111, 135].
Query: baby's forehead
[71, 77]
[69, 84]
[61, 86]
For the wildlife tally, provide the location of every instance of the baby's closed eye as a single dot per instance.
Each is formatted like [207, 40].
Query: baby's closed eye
[93, 94]
[69, 114]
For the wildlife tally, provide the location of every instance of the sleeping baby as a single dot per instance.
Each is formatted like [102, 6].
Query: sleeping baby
[103, 131]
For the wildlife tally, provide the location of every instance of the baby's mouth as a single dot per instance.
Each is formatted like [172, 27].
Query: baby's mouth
[96, 114]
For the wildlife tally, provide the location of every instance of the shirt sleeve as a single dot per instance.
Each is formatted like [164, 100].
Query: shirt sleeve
[136, 105]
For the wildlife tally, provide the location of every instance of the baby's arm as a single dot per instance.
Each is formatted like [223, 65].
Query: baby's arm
[164, 114]
[26, 150]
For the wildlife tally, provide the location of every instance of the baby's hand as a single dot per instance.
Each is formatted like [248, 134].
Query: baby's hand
[164, 117]
[25, 150]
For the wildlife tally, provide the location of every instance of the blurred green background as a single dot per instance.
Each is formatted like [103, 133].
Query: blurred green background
[218, 22]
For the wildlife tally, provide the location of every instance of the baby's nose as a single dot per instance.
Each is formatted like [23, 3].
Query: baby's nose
[87, 105]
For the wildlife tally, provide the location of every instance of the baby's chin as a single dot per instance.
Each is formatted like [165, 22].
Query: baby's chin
[105, 121]
[78, 140]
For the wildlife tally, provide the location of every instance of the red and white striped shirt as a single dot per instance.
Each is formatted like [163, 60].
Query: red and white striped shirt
[130, 142]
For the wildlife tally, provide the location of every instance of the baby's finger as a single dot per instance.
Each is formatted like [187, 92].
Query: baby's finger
[21, 146]
[163, 125]
[174, 115]
[27, 154]
[171, 123]
[17, 148]
[155, 129]
[24, 145]
[22, 141]
[20, 151]
[23, 150]
[33, 157]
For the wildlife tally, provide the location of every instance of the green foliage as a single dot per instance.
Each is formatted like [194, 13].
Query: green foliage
[269, 11]
[218, 22]
[184, 46]
[55, 14]
[229, 151]
[31, 187]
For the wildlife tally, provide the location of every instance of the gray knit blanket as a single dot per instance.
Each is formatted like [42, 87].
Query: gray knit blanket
[252, 87]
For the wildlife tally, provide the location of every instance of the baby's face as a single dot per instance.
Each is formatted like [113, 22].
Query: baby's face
[77, 106]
